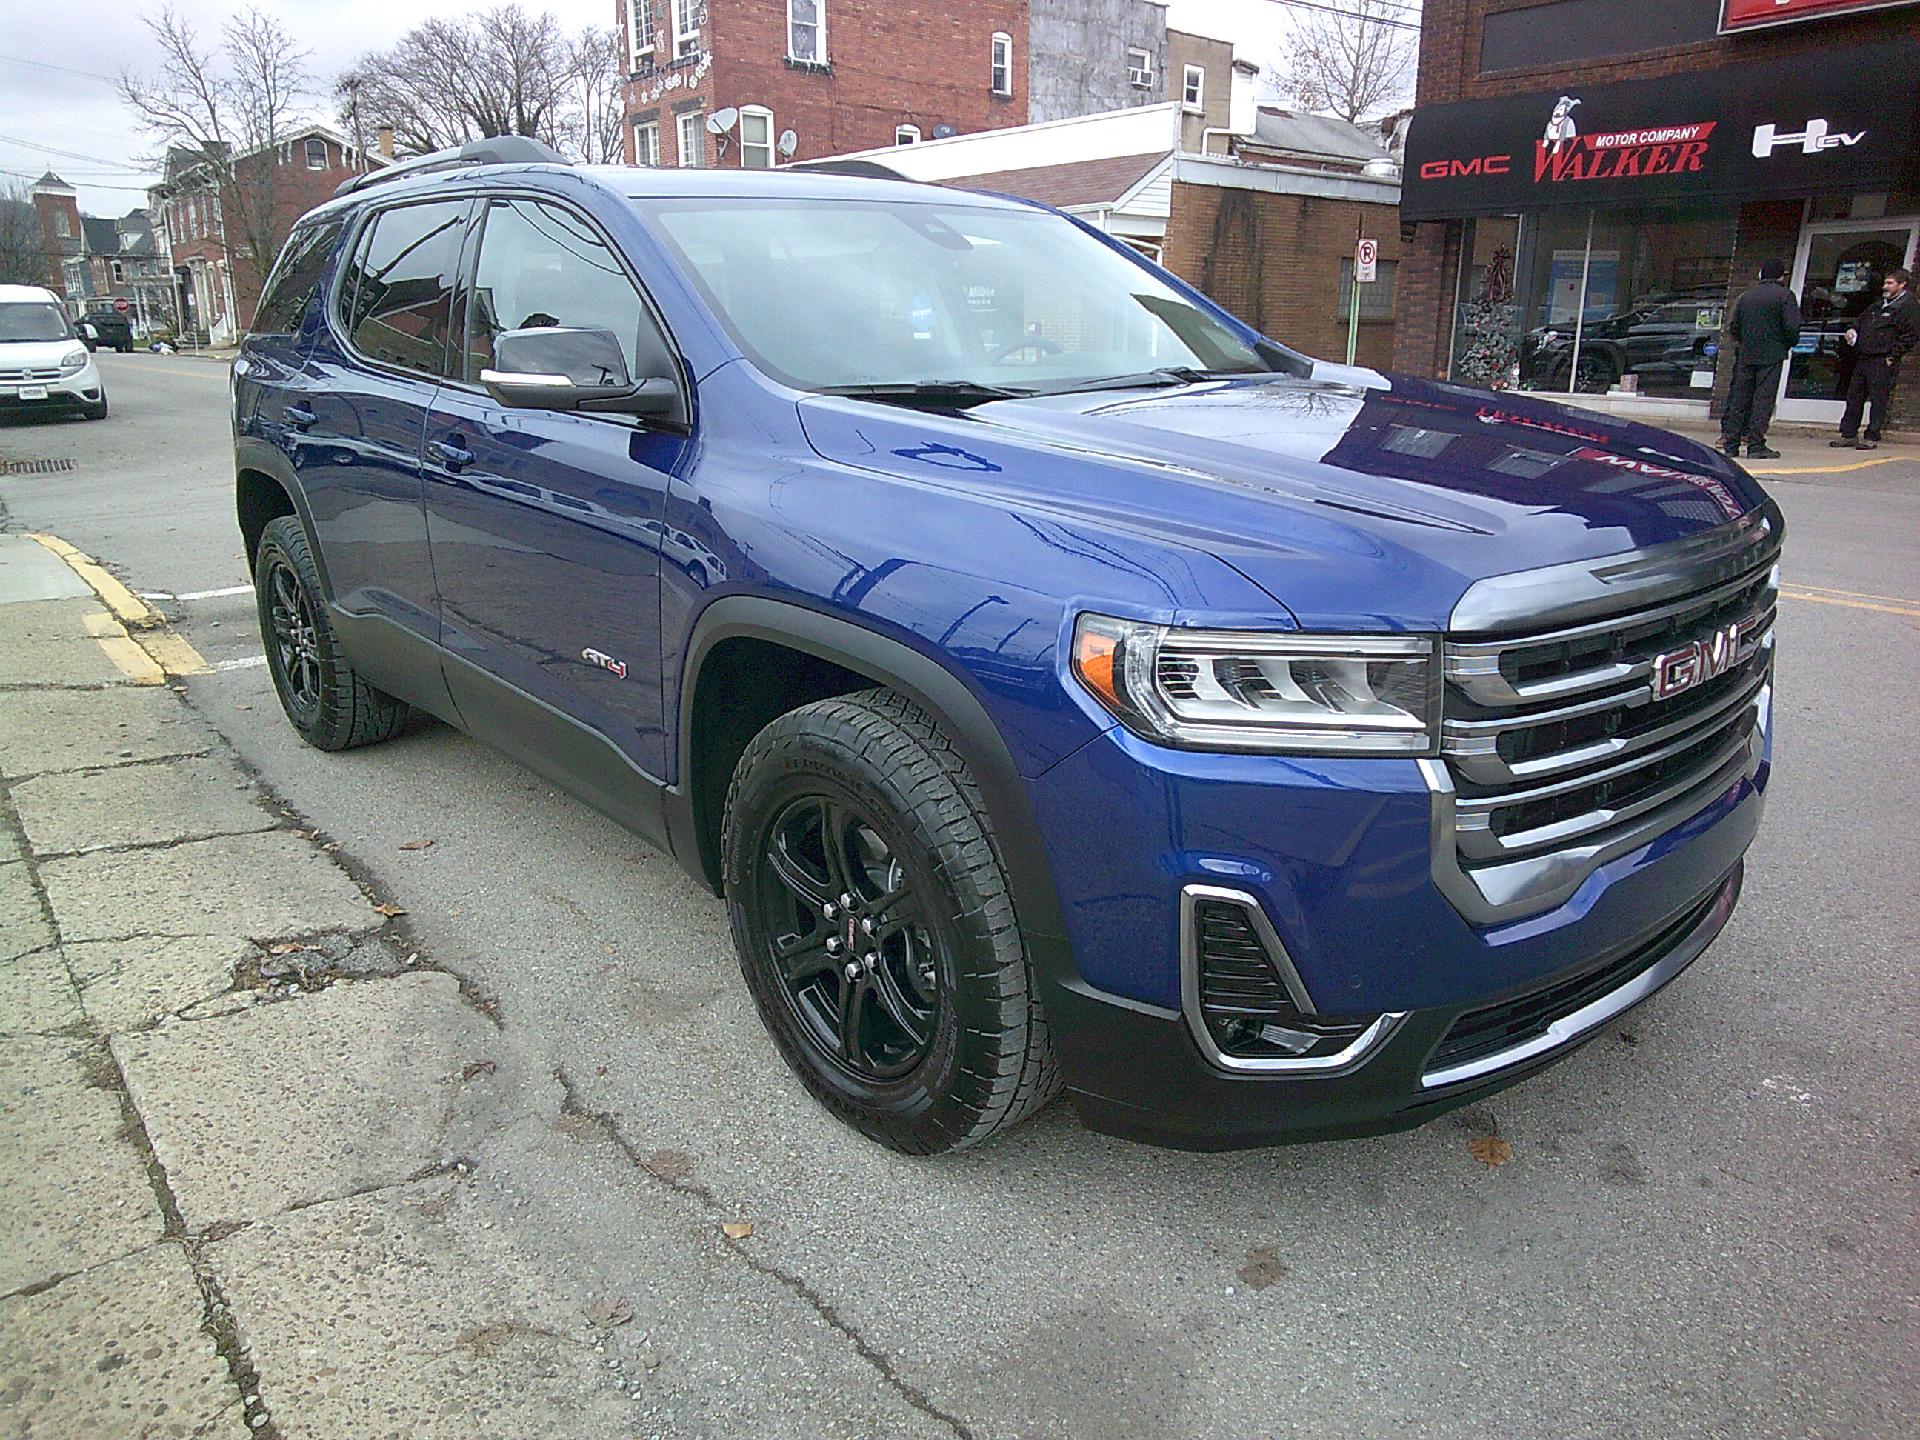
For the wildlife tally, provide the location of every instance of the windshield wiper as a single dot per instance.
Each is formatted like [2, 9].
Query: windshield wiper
[943, 394]
[1150, 379]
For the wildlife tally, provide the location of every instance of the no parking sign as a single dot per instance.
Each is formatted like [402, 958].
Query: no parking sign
[1366, 261]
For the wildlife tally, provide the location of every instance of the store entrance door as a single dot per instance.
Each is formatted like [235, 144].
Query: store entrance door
[1837, 274]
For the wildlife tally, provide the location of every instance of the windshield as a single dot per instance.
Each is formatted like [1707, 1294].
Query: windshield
[828, 295]
[32, 320]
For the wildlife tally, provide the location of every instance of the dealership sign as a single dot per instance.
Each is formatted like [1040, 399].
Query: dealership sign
[1840, 122]
[1753, 14]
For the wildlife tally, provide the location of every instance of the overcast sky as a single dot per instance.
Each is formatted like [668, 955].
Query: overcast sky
[58, 110]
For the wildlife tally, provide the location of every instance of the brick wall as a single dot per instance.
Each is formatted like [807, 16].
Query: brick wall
[1274, 260]
[906, 62]
[1449, 70]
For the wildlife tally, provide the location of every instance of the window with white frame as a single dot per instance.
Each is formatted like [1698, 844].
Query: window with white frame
[756, 137]
[686, 26]
[906, 134]
[1193, 87]
[316, 154]
[692, 135]
[1002, 73]
[1140, 69]
[646, 143]
[807, 31]
[640, 35]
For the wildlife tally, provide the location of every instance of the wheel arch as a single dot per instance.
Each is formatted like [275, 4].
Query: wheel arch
[854, 657]
[265, 487]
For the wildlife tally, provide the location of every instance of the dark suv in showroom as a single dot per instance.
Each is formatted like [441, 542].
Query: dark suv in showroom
[1065, 685]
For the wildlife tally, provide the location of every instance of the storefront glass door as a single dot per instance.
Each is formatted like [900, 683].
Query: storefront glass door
[1837, 275]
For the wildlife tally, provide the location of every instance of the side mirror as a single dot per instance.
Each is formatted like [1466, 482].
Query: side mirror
[562, 368]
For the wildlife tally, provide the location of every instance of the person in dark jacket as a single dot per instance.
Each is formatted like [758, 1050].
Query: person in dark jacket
[1880, 338]
[1764, 329]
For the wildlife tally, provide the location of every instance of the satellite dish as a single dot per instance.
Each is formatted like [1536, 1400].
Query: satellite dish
[789, 142]
[721, 121]
[944, 132]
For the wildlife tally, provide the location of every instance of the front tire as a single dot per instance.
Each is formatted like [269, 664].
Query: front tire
[327, 701]
[97, 410]
[875, 926]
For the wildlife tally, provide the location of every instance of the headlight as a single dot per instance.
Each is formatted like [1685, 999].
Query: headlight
[1266, 691]
[74, 361]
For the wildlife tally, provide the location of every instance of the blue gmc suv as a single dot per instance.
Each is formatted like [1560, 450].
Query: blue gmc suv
[1065, 685]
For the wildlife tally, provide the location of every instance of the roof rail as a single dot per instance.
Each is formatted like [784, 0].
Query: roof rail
[499, 150]
[866, 169]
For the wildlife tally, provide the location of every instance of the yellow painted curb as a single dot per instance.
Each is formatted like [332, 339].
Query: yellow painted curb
[173, 654]
[1841, 469]
[128, 658]
[132, 610]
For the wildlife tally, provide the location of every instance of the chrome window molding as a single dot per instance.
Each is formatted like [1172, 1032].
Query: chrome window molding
[1350, 1058]
[1573, 1025]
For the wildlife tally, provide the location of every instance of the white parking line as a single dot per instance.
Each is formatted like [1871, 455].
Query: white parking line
[245, 662]
[196, 594]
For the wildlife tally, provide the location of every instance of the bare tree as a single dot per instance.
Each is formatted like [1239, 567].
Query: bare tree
[1354, 63]
[22, 260]
[497, 72]
[596, 110]
[211, 109]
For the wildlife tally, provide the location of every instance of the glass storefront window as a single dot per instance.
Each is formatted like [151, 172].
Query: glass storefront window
[1628, 299]
[1486, 320]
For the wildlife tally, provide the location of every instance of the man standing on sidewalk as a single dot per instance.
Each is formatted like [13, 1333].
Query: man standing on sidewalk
[1764, 328]
[1881, 338]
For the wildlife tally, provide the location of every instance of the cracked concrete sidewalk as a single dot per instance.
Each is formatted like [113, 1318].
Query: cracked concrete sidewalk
[269, 1171]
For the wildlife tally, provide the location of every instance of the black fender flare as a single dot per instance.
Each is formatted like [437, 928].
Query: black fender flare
[936, 689]
[251, 453]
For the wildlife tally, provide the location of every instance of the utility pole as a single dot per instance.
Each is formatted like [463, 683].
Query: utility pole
[351, 80]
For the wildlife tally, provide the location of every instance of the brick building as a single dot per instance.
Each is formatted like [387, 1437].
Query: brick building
[840, 75]
[1589, 183]
[204, 221]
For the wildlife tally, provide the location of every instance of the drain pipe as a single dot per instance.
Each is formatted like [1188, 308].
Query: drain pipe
[1580, 310]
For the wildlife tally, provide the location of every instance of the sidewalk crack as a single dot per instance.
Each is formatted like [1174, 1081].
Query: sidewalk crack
[882, 1364]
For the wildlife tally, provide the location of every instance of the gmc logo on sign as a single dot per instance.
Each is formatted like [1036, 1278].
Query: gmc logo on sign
[1456, 169]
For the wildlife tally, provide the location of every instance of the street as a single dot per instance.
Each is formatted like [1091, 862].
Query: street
[1708, 1226]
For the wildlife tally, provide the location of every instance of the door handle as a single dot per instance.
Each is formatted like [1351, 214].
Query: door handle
[449, 455]
[298, 416]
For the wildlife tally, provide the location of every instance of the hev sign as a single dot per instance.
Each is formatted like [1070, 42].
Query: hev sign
[1753, 14]
[1841, 121]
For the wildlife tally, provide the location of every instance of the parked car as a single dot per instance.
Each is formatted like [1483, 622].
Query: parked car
[44, 368]
[1662, 341]
[1064, 684]
[110, 328]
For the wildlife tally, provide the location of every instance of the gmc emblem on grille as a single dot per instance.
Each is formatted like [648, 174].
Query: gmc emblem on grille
[1677, 671]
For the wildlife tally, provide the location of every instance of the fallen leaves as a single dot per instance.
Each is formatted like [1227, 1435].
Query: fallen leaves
[388, 909]
[736, 1229]
[416, 844]
[478, 1067]
[286, 947]
[1264, 1267]
[669, 1165]
[612, 1311]
[1490, 1150]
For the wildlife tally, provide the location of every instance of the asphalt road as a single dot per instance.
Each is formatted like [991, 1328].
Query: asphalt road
[1708, 1227]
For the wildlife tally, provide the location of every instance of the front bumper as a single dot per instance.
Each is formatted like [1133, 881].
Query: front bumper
[1138, 1073]
[65, 392]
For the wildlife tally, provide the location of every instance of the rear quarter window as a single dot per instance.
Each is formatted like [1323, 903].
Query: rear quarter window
[290, 289]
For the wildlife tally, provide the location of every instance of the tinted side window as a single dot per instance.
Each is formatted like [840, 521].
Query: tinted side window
[398, 291]
[540, 265]
[290, 288]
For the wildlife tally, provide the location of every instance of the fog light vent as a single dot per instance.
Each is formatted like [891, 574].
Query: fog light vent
[1244, 1001]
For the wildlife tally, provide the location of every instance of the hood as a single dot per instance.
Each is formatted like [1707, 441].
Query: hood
[34, 354]
[1353, 498]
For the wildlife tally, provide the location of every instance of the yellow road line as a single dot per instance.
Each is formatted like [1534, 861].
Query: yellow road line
[150, 654]
[1789, 594]
[132, 610]
[1839, 469]
[128, 658]
[1851, 594]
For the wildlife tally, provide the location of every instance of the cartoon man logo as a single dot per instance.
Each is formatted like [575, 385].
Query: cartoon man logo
[1560, 129]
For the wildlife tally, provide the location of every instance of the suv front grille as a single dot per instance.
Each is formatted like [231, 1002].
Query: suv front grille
[1560, 752]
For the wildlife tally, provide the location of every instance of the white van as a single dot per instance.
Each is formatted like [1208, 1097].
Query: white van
[43, 364]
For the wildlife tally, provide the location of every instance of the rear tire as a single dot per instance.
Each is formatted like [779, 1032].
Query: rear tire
[326, 700]
[936, 1039]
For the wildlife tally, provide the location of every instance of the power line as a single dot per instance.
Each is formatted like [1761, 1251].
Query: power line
[63, 69]
[56, 150]
[1345, 14]
[90, 184]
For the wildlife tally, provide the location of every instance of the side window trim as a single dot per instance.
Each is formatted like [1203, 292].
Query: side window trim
[339, 304]
[470, 266]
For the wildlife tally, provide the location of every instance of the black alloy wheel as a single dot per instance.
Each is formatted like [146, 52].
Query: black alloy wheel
[875, 925]
[294, 638]
[848, 939]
